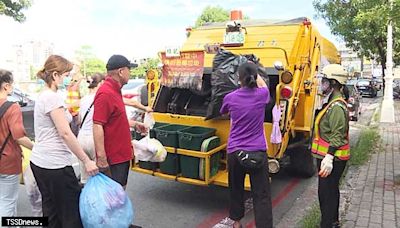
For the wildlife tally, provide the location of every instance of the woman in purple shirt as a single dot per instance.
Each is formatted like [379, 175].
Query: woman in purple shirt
[247, 147]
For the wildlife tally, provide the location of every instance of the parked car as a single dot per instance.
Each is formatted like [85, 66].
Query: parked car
[27, 105]
[354, 102]
[366, 87]
[378, 82]
[132, 91]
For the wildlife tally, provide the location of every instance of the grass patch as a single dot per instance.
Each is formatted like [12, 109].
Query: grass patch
[366, 145]
[312, 218]
[377, 115]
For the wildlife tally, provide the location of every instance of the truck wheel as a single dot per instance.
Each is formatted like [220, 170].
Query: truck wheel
[302, 163]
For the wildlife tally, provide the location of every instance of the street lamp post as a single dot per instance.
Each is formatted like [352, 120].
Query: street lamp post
[387, 112]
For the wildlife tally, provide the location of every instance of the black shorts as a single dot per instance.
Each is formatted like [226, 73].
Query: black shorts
[119, 172]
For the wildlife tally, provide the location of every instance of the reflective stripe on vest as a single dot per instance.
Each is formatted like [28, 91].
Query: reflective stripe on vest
[73, 97]
[319, 145]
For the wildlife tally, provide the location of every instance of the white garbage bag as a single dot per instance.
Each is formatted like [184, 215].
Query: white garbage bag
[148, 149]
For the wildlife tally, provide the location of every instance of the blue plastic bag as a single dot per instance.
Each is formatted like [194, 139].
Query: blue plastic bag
[104, 203]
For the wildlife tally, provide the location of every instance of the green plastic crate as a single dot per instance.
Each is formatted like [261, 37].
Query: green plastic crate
[171, 164]
[191, 138]
[156, 125]
[193, 167]
[168, 135]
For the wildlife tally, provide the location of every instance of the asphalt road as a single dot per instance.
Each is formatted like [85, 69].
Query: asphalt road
[162, 203]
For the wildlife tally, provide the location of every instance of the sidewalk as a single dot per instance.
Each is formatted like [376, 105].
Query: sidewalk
[375, 198]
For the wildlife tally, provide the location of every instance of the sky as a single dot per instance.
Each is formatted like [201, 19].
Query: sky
[134, 28]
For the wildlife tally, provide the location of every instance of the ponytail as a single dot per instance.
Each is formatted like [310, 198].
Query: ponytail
[54, 63]
[251, 81]
[345, 92]
[248, 74]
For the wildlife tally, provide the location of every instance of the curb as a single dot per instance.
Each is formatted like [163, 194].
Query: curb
[351, 176]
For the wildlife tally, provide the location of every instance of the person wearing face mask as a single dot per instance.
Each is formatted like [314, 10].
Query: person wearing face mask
[12, 135]
[51, 158]
[330, 145]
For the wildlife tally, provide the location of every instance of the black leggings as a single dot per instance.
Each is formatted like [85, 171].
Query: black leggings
[60, 196]
[260, 191]
[329, 195]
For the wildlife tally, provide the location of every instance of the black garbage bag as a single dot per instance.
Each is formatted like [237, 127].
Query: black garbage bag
[225, 78]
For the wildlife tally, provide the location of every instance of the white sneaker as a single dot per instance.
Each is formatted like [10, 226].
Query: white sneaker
[225, 223]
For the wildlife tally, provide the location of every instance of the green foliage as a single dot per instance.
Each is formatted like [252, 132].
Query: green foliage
[366, 145]
[141, 70]
[312, 218]
[94, 65]
[212, 14]
[88, 63]
[362, 24]
[13, 8]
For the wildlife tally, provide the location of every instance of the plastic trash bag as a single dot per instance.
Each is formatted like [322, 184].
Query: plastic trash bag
[149, 120]
[149, 149]
[103, 203]
[225, 78]
[276, 135]
[33, 192]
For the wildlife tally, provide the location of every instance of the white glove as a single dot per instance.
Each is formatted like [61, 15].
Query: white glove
[326, 165]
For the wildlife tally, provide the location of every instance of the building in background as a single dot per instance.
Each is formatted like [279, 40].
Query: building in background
[25, 59]
[358, 66]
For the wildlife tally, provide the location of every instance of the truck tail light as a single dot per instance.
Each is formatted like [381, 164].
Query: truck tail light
[286, 77]
[286, 92]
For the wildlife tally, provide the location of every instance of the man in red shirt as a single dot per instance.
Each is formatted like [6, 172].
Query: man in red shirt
[111, 131]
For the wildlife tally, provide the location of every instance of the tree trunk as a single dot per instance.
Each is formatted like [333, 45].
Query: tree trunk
[382, 55]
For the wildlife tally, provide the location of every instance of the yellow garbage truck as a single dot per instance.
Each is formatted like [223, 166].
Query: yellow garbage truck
[291, 52]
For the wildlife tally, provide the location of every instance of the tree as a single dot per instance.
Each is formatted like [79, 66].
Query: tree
[212, 14]
[94, 65]
[83, 54]
[362, 24]
[13, 8]
[141, 70]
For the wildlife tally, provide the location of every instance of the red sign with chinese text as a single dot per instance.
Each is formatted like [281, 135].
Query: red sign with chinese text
[185, 71]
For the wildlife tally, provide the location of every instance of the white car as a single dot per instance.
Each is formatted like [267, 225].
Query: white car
[132, 91]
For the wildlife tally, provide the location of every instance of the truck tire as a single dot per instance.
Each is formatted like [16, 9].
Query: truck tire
[302, 163]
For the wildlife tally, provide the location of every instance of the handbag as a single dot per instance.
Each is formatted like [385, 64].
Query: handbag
[251, 159]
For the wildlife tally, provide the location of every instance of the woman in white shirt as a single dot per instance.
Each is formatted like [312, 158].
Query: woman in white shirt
[51, 159]
[85, 136]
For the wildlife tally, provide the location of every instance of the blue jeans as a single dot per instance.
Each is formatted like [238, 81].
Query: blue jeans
[8, 195]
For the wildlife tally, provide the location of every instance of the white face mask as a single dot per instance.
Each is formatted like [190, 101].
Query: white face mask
[324, 88]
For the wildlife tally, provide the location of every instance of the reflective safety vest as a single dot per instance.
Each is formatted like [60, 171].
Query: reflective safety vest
[73, 98]
[319, 145]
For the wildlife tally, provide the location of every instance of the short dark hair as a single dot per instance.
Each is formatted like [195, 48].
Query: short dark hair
[248, 74]
[5, 77]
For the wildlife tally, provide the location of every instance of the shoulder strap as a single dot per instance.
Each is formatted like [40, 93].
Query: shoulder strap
[84, 117]
[3, 110]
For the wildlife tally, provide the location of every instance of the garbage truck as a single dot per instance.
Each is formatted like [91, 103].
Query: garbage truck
[291, 54]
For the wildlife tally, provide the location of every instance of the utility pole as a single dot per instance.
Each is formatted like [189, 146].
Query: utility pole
[387, 112]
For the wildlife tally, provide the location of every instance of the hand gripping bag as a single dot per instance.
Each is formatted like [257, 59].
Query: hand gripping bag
[103, 203]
